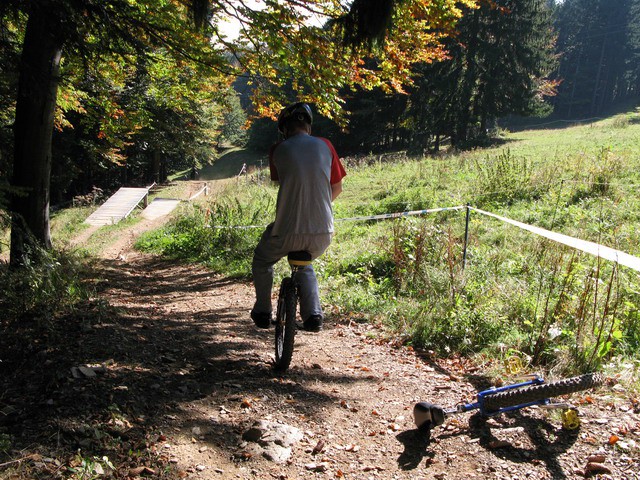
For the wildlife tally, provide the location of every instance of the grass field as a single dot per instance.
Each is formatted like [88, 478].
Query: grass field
[519, 293]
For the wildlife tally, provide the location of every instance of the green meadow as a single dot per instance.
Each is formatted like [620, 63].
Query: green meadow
[516, 294]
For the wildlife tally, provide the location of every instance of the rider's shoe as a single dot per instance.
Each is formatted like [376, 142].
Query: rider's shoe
[261, 319]
[313, 323]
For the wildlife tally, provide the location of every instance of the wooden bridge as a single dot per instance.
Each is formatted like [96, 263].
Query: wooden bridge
[124, 201]
[160, 207]
[119, 206]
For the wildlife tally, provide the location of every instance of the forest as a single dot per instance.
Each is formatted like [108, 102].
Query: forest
[143, 90]
[139, 100]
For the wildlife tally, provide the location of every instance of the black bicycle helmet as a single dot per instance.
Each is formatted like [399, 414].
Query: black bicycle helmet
[300, 111]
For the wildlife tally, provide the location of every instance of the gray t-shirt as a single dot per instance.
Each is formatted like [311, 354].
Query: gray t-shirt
[306, 167]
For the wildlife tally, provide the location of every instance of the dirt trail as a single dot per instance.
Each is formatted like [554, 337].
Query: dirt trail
[184, 373]
[346, 389]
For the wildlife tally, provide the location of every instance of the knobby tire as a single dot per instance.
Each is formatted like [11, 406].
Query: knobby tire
[285, 324]
[534, 393]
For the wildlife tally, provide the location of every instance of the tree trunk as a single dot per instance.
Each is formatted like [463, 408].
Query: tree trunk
[35, 108]
[156, 163]
[468, 82]
[597, 89]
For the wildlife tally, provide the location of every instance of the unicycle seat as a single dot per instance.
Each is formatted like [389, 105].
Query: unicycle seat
[300, 258]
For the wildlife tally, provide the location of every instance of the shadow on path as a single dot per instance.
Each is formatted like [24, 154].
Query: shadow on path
[159, 337]
[416, 443]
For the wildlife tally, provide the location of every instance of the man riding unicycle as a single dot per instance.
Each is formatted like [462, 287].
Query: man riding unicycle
[310, 175]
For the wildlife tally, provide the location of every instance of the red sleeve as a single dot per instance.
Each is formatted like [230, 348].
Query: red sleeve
[337, 169]
[272, 167]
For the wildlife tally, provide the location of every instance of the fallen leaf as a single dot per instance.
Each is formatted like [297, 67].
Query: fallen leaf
[596, 458]
[318, 448]
[370, 468]
[499, 444]
[623, 430]
[317, 467]
[593, 467]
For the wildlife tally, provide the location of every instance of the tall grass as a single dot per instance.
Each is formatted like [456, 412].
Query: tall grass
[207, 233]
[559, 307]
[50, 285]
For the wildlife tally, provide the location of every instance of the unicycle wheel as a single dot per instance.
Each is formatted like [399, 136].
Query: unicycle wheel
[285, 330]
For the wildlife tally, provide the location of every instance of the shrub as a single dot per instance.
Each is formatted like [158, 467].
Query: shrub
[218, 235]
[504, 178]
[50, 285]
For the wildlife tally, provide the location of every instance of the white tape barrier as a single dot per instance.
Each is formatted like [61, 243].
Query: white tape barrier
[204, 190]
[398, 214]
[369, 217]
[589, 247]
[241, 227]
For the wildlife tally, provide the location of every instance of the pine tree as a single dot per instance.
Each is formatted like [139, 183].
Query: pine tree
[499, 64]
[276, 44]
[596, 44]
[633, 52]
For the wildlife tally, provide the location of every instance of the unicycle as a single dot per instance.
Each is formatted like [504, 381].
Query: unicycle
[508, 398]
[286, 311]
